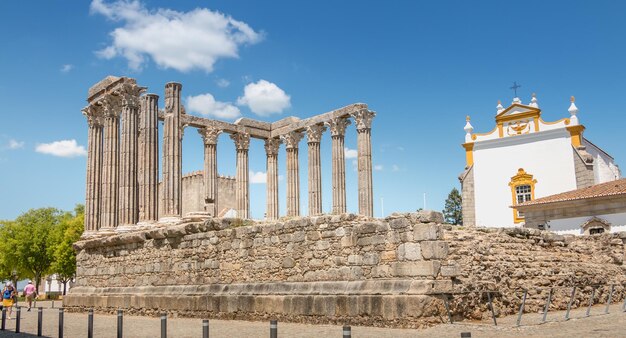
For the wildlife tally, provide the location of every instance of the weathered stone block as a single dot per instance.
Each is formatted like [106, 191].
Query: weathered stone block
[427, 232]
[409, 251]
[399, 223]
[414, 269]
[450, 270]
[434, 249]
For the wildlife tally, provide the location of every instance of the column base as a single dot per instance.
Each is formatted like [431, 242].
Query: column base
[106, 231]
[170, 220]
[196, 216]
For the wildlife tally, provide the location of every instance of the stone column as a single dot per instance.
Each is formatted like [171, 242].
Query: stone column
[291, 141]
[242, 195]
[209, 136]
[314, 135]
[148, 168]
[128, 190]
[271, 149]
[337, 132]
[94, 169]
[363, 121]
[110, 183]
[172, 160]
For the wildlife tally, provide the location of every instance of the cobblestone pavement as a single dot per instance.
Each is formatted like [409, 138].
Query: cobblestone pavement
[597, 325]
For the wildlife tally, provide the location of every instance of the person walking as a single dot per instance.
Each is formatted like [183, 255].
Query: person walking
[7, 297]
[30, 292]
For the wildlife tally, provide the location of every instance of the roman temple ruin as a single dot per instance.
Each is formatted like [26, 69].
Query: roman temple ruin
[123, 159]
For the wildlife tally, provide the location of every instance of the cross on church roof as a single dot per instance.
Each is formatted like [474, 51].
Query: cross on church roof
[515, 86]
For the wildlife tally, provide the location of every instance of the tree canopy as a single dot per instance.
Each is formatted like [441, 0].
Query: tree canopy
[453, 211]
[39, 242]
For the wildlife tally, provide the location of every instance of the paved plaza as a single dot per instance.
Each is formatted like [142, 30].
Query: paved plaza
[596, 325]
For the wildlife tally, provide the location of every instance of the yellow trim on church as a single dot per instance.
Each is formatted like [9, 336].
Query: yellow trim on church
[469, 153]
[576, 133]
[522, 178]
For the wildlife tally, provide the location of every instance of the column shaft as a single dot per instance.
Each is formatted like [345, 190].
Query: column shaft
[366, 202]
[110, 182]
[128, 194]
[172, 147]
[315, 179]
[94, 175]
[293, 183]
[271, 150]
[339, 174]
[148, 167]
[210, 179]
[242, 195]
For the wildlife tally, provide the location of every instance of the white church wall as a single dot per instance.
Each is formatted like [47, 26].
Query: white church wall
[572, 225]
[604, 168]
[545, 155]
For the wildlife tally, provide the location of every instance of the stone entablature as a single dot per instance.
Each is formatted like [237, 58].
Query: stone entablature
[122, 167]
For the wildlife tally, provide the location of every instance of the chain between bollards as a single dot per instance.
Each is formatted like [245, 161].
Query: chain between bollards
[18, 319]
[593, 293]
[347, 331]
[90, 324]
[164, 325]
[608, 301]
[521, 308]
[205, 328]
[273, 329]
[61, 323]
[547, 307]
[493, 313]
[39, 321]
[569, 305]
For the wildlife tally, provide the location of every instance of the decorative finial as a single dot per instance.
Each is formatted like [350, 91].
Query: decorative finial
[533, 101]
[572, 99]
[573, 110]
[467, 118]
[499, 102]
[468, 130]
[499, 107]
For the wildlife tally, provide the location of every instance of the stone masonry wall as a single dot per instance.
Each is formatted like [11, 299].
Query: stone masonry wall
[193, 192]
[510, 260]
[320, 269]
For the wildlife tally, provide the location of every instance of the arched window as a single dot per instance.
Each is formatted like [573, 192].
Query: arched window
[523, 190]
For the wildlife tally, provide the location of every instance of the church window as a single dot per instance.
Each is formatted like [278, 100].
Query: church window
[523, 190]
[595, 225]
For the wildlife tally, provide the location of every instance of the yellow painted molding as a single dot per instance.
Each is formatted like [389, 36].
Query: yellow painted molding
[576, 133]
[469, 153]
[522, 178]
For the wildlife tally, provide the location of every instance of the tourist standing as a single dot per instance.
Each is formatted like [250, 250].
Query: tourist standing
[30, 292]
[7, 298]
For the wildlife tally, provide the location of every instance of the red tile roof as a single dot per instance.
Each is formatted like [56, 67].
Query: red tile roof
[611, 188]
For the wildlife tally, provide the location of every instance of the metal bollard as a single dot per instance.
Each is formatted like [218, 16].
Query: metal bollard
[18, 319]
[466, 335]
[205, 328]
[547, 307]
[445, 303]
[53, 303]
[347, 331]
[39, 321]
[569, 305]
[593, 293]
[61, 323]
[4, 319]
[493, 313]
[273, 329]
[608, 301]
[120, 323]
[521, 308]
[164, 325]
[90, 324]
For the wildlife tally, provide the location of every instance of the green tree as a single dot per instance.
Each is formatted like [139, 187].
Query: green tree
[10, 268]
[68, 232]
[453, 209]
[34, 243]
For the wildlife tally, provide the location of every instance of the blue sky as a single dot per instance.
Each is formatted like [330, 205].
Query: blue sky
[422, 66]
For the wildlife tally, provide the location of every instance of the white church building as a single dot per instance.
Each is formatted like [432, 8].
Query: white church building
[525, 158]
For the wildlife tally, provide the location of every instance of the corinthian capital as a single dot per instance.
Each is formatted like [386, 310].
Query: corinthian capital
[314, 133]
[110, 105]
[242, 140]
[271, 146]
[130, 100]
[209, 134]
[363, 119]
[292, 139]
[337, 126]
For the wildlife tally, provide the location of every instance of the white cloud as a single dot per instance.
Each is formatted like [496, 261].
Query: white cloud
[350, 153]
[66, 68]
[395, 168]
[378, 167]
[222, 83]
[64, 148]
[264, 98]
[206, 104]
[258, 177]
[180, 40]
[14, 144]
